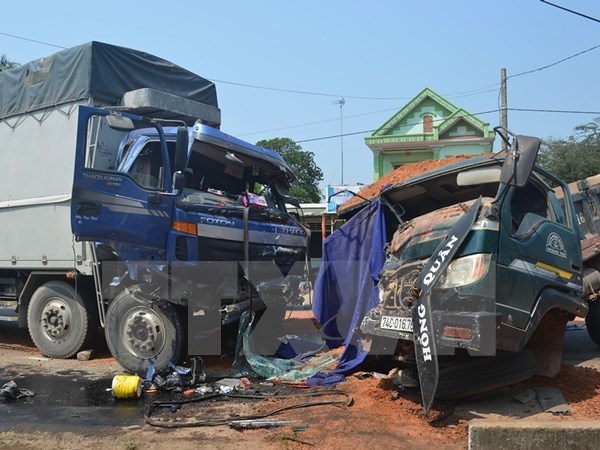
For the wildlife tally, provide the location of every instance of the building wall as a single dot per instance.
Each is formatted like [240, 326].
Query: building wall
[412, 124]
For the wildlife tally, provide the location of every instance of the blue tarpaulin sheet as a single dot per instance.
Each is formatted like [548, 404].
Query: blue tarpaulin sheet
[345, 289]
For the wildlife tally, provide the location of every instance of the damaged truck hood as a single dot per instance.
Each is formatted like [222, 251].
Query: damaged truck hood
[418, 238]
[266, 164]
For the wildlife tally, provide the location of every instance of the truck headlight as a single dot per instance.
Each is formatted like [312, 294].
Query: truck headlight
[466, 270]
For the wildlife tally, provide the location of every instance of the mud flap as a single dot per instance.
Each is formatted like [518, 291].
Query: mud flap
[425, 351]
[424, 330]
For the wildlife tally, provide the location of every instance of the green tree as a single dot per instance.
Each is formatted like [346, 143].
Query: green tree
[302, 164]
[575, 157]
[5, 63]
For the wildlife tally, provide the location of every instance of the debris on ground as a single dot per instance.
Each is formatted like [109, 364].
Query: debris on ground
[252, 410]
[244, 384]
[403, 378]
[301, 360]
[172, 382]
[264, 423]
[127, 387]
[552, 401]
[580, 387]
[10, 391]
[198, 375]
[85, 355]
[525, 396]
[227, 385]
[204, 389]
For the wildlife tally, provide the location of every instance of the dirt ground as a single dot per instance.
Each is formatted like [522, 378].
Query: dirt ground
[377, 418]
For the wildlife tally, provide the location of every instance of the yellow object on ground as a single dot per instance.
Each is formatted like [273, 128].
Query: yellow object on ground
[127, 386]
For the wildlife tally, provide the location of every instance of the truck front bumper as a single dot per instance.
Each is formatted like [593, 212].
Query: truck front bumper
[473, 331]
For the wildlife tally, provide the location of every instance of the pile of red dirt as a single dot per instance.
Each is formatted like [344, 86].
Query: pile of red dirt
[403, 173]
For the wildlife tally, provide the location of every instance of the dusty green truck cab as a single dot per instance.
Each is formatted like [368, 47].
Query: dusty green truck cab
[486, 261]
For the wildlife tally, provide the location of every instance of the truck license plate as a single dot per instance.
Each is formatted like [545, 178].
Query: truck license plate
[396, 323]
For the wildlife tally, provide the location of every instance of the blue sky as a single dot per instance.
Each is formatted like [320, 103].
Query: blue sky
[377, 49]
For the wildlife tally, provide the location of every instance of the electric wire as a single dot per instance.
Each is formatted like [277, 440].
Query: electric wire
[354, 97]
[557, 111]
[215, 420]
[32, 40]
[571, 11]
[527, 72]
[455, 95]
[325, 94]
[441, 119]
[560, 111]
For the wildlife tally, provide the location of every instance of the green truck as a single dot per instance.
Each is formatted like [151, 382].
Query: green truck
[484, 271]
[585, 195]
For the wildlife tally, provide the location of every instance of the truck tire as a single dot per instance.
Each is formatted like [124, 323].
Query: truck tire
[482, 374]
[592, 321]
[138, 332]
[60, 321]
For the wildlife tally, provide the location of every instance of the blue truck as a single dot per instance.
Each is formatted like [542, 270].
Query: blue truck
[124, 205]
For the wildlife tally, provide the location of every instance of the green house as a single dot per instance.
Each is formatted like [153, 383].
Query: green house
[428, 127]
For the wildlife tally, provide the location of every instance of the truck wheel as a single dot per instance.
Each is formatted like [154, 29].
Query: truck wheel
[138, 332]
[482, 374]
[60, 322]
[592, 321]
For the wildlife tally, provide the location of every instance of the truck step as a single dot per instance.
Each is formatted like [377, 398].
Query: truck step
[8, 310]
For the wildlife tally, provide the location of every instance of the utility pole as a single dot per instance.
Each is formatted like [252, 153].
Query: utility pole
[341, 102]
[503, 110]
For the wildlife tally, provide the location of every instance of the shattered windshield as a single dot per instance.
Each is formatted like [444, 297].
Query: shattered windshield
[212, 178]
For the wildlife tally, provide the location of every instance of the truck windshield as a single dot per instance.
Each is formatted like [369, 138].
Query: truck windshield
[212, 179]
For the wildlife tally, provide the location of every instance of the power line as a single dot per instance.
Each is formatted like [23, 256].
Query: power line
[440, 119]
[294, 91]
[335, 136]
[355, 97]
[320, 122]
[475, 91]
[560, 111]
[32, 40]
[554, 63]
[330, 120]
[570, 10]
[478, 91]
[455, 95]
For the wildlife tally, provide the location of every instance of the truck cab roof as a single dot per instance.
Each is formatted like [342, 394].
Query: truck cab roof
[214, 144]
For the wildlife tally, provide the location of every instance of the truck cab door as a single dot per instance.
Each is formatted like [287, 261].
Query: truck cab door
[121, 181]
[537, 250]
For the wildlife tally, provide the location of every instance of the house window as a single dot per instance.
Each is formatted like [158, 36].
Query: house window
[427, 124]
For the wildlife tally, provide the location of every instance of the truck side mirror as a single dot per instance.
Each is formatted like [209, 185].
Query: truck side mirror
[519, 161]
[120, 123]
[181, 149]
[178, 181]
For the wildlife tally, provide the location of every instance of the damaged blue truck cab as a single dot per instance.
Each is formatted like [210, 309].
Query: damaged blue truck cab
[191, 230]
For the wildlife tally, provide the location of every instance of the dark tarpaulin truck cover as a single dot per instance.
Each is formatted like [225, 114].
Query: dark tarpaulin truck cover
[99, 71]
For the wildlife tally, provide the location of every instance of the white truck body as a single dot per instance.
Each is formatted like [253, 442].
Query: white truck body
[35, 192]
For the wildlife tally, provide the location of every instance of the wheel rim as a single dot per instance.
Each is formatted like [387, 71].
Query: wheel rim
[56, 318]
[143, 333]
